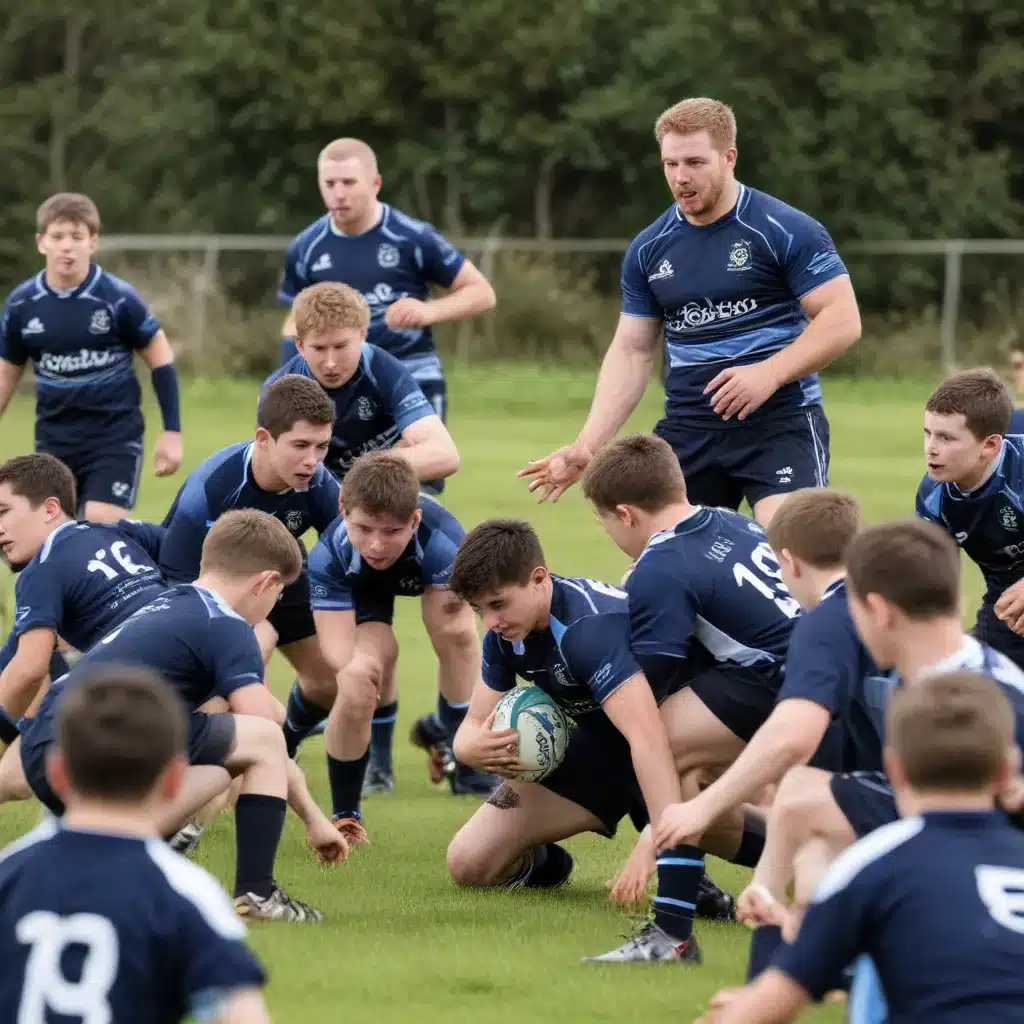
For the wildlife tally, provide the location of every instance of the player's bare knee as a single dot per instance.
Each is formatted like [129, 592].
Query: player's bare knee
[260, 739]
[321, 688]
[360, 685]
[467, 862]
[799, 799]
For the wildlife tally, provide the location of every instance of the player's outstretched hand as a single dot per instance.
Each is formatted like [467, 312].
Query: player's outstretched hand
[740, 390]
[489, 750]
[1010, 607]
[557, 472]
[757, 906]
[167, 454]
[329, 845]
[629, 886]
[678, 823]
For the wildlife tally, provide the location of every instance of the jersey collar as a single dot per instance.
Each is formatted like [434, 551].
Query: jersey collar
[70, 293]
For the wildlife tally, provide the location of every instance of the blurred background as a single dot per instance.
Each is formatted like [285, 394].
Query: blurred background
[523, 130]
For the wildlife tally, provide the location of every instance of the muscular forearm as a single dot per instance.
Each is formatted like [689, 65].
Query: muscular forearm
[430, 461]
[299, 798]
[9, 377]
[620, 386]
[824, 339]
[472, 300]
[19, 686]
[656, 773]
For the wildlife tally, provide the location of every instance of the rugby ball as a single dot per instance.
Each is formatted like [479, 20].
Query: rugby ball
[542, 726]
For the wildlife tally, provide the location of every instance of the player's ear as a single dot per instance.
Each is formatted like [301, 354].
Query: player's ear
[53, 509]
[991, 445]
[39, 245]
[788, 562]
[263, 436]
[266, 580]
[341, 507]
[539, 575]
[57, 774]
[626, 514]
[417, 518]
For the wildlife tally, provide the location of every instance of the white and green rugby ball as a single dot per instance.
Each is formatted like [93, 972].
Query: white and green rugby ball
[542, 726]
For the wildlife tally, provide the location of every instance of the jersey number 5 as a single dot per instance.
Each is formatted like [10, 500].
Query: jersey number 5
[46, 990]
[99, 563]
[769, 583]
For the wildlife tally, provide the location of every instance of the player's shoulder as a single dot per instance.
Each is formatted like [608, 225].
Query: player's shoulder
[30, 288]
[828, 622]
[227, 458]
[436, 517]
[296, 365]
[870, 856]
[195, 889]
[1012, 467]
[110, 287]
[312, 233]
[664, 225]
[770, 212]
[404, 226]
[376, 361]
[36, 843]
[217, 610]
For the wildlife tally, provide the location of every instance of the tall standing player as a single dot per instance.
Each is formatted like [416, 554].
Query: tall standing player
[753, 300]
[81, 328]
[389, 257]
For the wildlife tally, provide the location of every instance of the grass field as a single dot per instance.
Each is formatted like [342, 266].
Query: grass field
[400, 943]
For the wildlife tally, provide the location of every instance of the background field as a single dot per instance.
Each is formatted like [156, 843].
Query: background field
[400, 943]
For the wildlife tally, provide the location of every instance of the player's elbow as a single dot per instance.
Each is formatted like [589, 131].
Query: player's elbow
[446, 459]
[487, 299]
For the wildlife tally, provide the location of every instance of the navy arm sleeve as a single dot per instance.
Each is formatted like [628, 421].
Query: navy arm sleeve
[596, 652]
[928, 503]
[637, 297]
[137, 324]
[324, 494]
[824, 661]
[439, 556]
[329, 589]
[181, 549]
[38, 598]
[497, 673]
[404, 397]
[809, 257]
[237, 659]
[11, 348]
[439, 260]
[149, 536]
[293, 276]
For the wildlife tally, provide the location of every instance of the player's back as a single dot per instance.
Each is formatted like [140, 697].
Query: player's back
[711, 578]
[935, 902]
[988, 522]
[81, 344]
[190, 636]
[86, 578]
[113, 928]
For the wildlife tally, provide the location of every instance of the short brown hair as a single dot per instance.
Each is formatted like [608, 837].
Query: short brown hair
[816, 525]
[495, 553]
[246, 541]
[913, 564]
[639, 470]
[381, 484]
[951, 732]
[40, 476]
[329, 306]
[293, 399]
[980, 396]
[699, 114]
[72, 206]
[118, 730]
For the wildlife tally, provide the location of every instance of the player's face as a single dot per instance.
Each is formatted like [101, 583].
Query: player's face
[349, 189]
[68, 248]
[23, 527]
[515, 611]
[952, 453]
[380, 540]
[295, 455]
[334, 355]
[696, 172]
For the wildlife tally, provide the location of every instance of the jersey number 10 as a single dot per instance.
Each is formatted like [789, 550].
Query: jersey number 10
[771, 586]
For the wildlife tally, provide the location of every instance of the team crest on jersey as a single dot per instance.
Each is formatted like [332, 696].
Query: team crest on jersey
[365, 408]
[100, 322]
[1008, 517]
[739, 255]
[323, 262]
[387, 255]
[664, 270]
[293, 520]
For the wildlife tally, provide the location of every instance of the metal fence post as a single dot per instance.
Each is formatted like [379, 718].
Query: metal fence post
[203, 285]
[950, 305]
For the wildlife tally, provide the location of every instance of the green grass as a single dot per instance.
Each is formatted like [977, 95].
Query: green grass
[400, 943]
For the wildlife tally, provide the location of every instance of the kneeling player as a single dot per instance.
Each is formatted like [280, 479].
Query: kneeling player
[390, 542]
[973, 488]
[950, 751]
[280, 472]
[200, 639]
[79, 580]
[904, 590]
[99, 920]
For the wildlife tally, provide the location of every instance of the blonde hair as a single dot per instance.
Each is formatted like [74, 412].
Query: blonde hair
[328, 306]
[245, 542]
[699, 114]
[347, 149]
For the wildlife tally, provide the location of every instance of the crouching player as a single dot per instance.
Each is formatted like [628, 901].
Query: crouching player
[950, 751]
[200, 638]
[390, 542]
[571, 638]
[98, 919]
